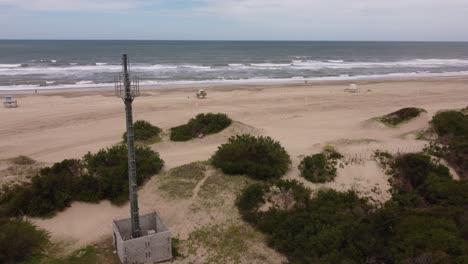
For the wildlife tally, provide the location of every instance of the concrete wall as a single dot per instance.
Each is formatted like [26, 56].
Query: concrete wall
[147, 248]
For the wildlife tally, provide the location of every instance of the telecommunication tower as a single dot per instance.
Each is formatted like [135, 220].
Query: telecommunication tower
[140, 238]
[128, 89]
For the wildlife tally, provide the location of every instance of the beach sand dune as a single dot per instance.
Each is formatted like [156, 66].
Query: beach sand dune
[304, 118]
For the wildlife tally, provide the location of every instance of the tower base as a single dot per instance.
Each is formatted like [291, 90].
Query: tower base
[154, 244]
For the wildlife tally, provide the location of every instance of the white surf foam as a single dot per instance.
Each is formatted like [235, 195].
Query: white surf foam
[10, 65]
[258, 80]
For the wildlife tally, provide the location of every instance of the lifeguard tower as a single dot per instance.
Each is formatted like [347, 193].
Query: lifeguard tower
[9, 102]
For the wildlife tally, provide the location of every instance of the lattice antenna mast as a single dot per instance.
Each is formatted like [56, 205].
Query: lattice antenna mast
[128, 90]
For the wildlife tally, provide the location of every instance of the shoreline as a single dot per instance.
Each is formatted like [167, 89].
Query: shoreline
[232, 86]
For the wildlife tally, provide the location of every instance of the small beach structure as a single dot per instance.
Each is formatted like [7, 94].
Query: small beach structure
[9, 102]
[201, 94]
[353, 88]
[153, 245]
[139, 238]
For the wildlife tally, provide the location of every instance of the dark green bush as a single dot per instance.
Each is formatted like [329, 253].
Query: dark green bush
[402, 115]
[451, 123]
[425, 223]
[413, 169]
[441, 190]
[452, 129]
[99, 176]
[52, 190]
[20, 240]
[203, 123]
[313, 231]
[110, 168]
[320, 168]
[144, 131]
[251, 197]
[422, 235]
[258, 157]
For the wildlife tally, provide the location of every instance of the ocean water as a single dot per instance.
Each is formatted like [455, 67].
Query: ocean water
[51, 64]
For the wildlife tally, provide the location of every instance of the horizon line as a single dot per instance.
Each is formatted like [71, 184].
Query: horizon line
[234, 40]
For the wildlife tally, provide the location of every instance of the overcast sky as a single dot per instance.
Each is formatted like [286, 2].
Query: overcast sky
[424, 20]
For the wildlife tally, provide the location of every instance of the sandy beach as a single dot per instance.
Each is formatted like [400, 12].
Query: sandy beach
[52, 126]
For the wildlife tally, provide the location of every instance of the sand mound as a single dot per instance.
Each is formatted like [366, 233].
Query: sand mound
[415, 123]
[179, 153]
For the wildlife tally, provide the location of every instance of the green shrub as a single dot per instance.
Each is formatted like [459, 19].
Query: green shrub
[258, 157]
[251, 197]
[110, 168]
[320, 168]
[144, 131]
[452, 129]
[20, 240]
[425, 223]
[444, 191]
[402, 115]
[417, 235]
[450, 123]
[203, 123]
[314, 232]
[413, 168]
[430, 181]
[52, 190]
[99, 176]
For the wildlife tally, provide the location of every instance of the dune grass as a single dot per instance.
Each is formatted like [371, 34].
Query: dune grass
[179, 182]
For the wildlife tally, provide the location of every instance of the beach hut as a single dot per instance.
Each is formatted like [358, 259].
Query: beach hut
[201, 94]
[9, 102]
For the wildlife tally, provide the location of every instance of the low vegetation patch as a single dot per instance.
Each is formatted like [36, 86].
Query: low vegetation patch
[221, 243]
[219, 190]
[226, 242]
[322, 167]
[22, 160]
[18, 169]
[101, 253]
[145, 132]
[21, 240]
[424, 222]
[401, 116]
[99, 176]
[181, 181]
[261, 158]
[202, 124]
[451, 128]
[385, 160]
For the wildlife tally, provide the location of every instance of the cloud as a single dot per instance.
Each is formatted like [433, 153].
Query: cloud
[73, 5]
[377, 19]
[332, 8]
[264, 19]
